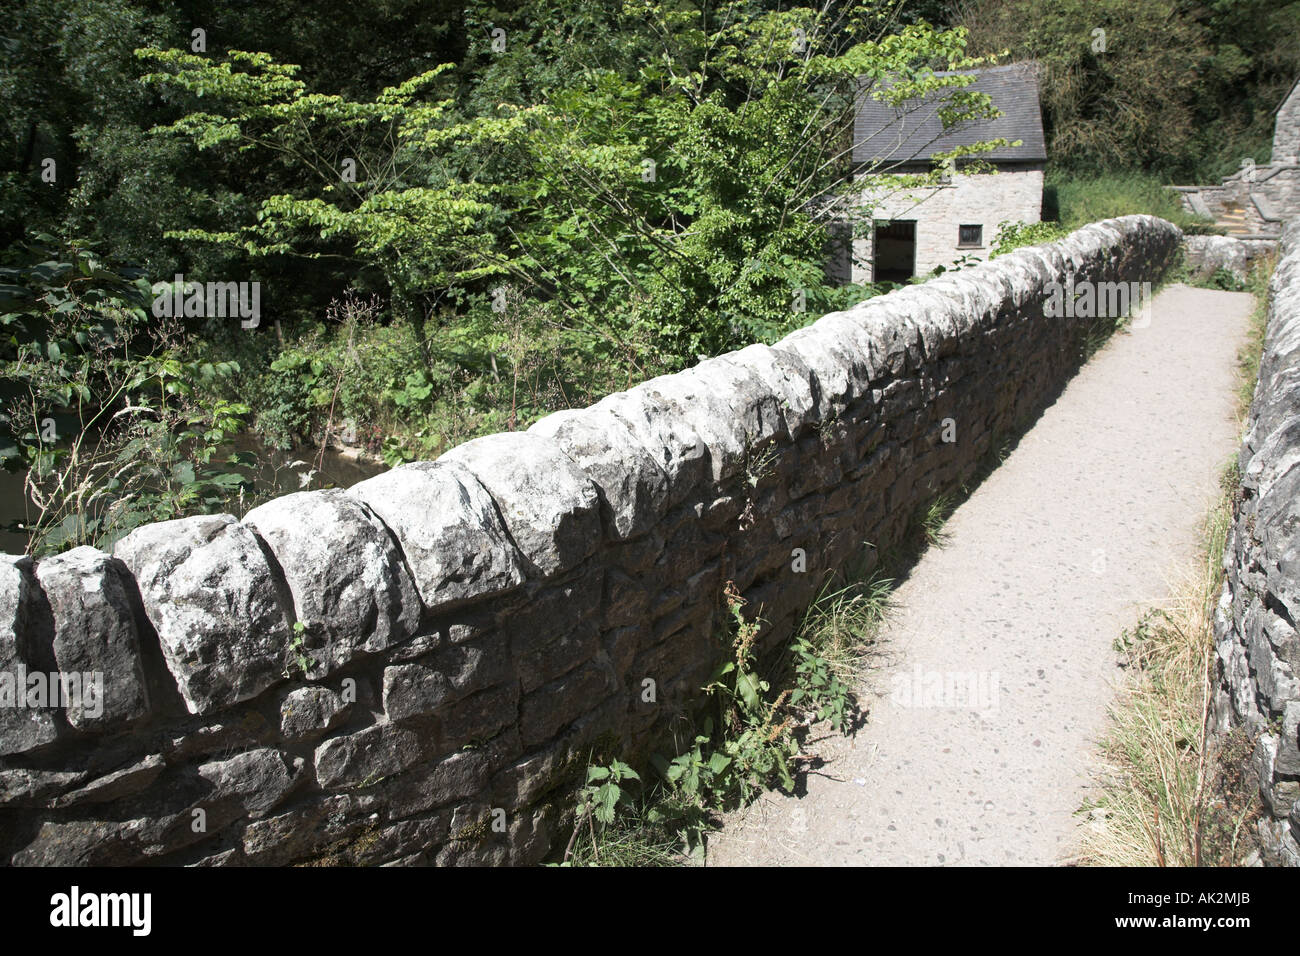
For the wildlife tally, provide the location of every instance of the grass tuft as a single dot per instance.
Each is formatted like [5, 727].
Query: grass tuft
[842, 624]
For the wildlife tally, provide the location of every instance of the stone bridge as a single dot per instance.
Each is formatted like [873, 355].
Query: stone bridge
[414, 669]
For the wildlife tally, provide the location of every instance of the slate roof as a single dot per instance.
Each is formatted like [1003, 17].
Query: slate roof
[913, 132]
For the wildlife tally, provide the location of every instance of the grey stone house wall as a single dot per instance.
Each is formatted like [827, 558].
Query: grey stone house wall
[1012, 194]
[1286, 130]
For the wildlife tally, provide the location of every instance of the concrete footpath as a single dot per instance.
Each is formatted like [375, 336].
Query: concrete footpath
[996, 664]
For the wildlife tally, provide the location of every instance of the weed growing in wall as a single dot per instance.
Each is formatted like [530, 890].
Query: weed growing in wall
[746, 740]
[743, 744]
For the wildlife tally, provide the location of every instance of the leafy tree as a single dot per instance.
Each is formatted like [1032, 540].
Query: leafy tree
[1181, 89]
[680, 209]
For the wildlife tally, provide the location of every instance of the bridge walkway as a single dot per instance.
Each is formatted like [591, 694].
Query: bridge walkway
[1043, 567]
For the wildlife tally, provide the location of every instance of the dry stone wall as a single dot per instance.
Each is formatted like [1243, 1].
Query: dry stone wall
[1208, 254]
[1258, 648]
[414, 669]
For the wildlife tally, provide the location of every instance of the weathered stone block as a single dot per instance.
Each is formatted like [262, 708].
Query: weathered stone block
[257, 780]
[550, 507]
[83, 843]
[120, 783]
[551, 707]
[633, 487]
[674, 444]
[427, 687]
[310, 711]
[208, 591]
[22, 728]
[96, 646]
[789, 378]
[367, 756]
[449, 530]
[304, 832]
[556, 629]
[479, 716]
[34, 788]
[351, 588]
[458, 776]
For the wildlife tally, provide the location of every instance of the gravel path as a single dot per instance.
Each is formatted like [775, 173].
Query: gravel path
[997, 663]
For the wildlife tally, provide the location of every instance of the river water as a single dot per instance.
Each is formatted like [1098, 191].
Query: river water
[278, 472]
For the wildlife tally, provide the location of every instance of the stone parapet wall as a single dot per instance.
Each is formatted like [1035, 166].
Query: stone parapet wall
[1257, 646]
[414, 669]
[1208, 254]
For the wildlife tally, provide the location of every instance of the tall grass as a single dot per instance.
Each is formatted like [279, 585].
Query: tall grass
[637, 837]
[842, 624]
[1076, 202]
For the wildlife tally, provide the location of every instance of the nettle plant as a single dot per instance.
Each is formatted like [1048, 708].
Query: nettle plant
[100, 413]
[744, 744]
[745, 740]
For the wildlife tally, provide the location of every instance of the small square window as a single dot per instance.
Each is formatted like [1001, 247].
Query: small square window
[970, 237]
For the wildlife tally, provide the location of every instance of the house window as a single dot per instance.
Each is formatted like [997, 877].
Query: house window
[970, 237]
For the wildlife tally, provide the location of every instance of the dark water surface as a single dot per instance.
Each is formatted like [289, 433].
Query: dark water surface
[277, 473]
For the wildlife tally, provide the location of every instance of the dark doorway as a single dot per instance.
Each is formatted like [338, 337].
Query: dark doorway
[893, 251]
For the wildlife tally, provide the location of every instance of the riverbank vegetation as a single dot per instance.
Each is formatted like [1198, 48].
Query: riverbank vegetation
[459, 218]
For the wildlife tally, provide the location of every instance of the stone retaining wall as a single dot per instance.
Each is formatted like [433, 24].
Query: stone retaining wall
[414, 669]
[1258, 649]
[1208, 254]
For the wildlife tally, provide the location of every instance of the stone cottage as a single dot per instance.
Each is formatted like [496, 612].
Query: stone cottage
[914, 230]
[1255, 201]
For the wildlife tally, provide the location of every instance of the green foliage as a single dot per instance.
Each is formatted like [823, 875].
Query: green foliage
[1179, 90]
[1226, 280]
[1248, 356]
[964, 261]
[819, 686]
[681, 229]
[1014, 235]
[832, 643]
[1079, 201]
[297, 653]
[604, 791]
[1132, 642]
[100, 409]
[522, 257]
[356, 374]
[745, 740]
[540, 259]
[933, 518]
[745, 745]
[421, 235]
